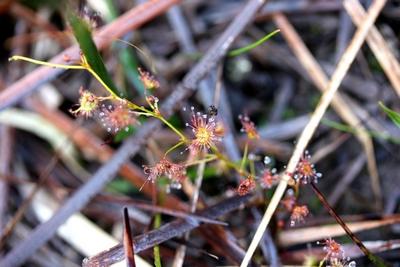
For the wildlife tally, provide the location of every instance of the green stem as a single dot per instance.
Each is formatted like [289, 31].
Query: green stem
[349, 129]
[228, 162]
[156, 249]
[251, 46]
[161, 118]
[246, 149]
[174, 147]
[252, 168]
[48, 64]
[205, 160]
[89, 69]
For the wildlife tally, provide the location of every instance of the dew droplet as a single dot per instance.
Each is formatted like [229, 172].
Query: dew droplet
[252, 157]
[176, 185]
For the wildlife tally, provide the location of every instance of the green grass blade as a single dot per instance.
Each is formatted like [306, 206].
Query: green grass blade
[247, 48]
[393, 115]
[83, 35]
[349, 129]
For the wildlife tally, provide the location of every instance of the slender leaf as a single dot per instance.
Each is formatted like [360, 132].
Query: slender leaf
[83, 35]
[393, 115]
[346, 128]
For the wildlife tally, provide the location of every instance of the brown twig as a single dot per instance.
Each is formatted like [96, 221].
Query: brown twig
[374, 259]
[166, 232]
[128, 242]
[157, 209]
[339, 220]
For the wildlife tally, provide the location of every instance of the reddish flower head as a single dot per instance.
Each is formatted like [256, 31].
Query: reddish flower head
[305, 170]
[148, 80]
[248, 127]
[333, 249]
[88, 104]
[246, 186]
[205, 130]
[116, 117]
[268, 178]
[175, 172]
[298, 214]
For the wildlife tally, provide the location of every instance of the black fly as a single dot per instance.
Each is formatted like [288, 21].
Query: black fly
[212, 111]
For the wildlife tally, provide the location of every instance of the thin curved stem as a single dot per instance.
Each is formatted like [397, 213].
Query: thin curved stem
[161, 118]
[174, 147]
[48, 64]
[246, 149]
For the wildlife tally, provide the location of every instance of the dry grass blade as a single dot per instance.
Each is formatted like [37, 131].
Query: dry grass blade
[128, 242]
[44, 206]
[305, 137]
[378, 45]
[299, 6]
[308, 234]
[321, 81]
[352, 251]
[355, 167]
